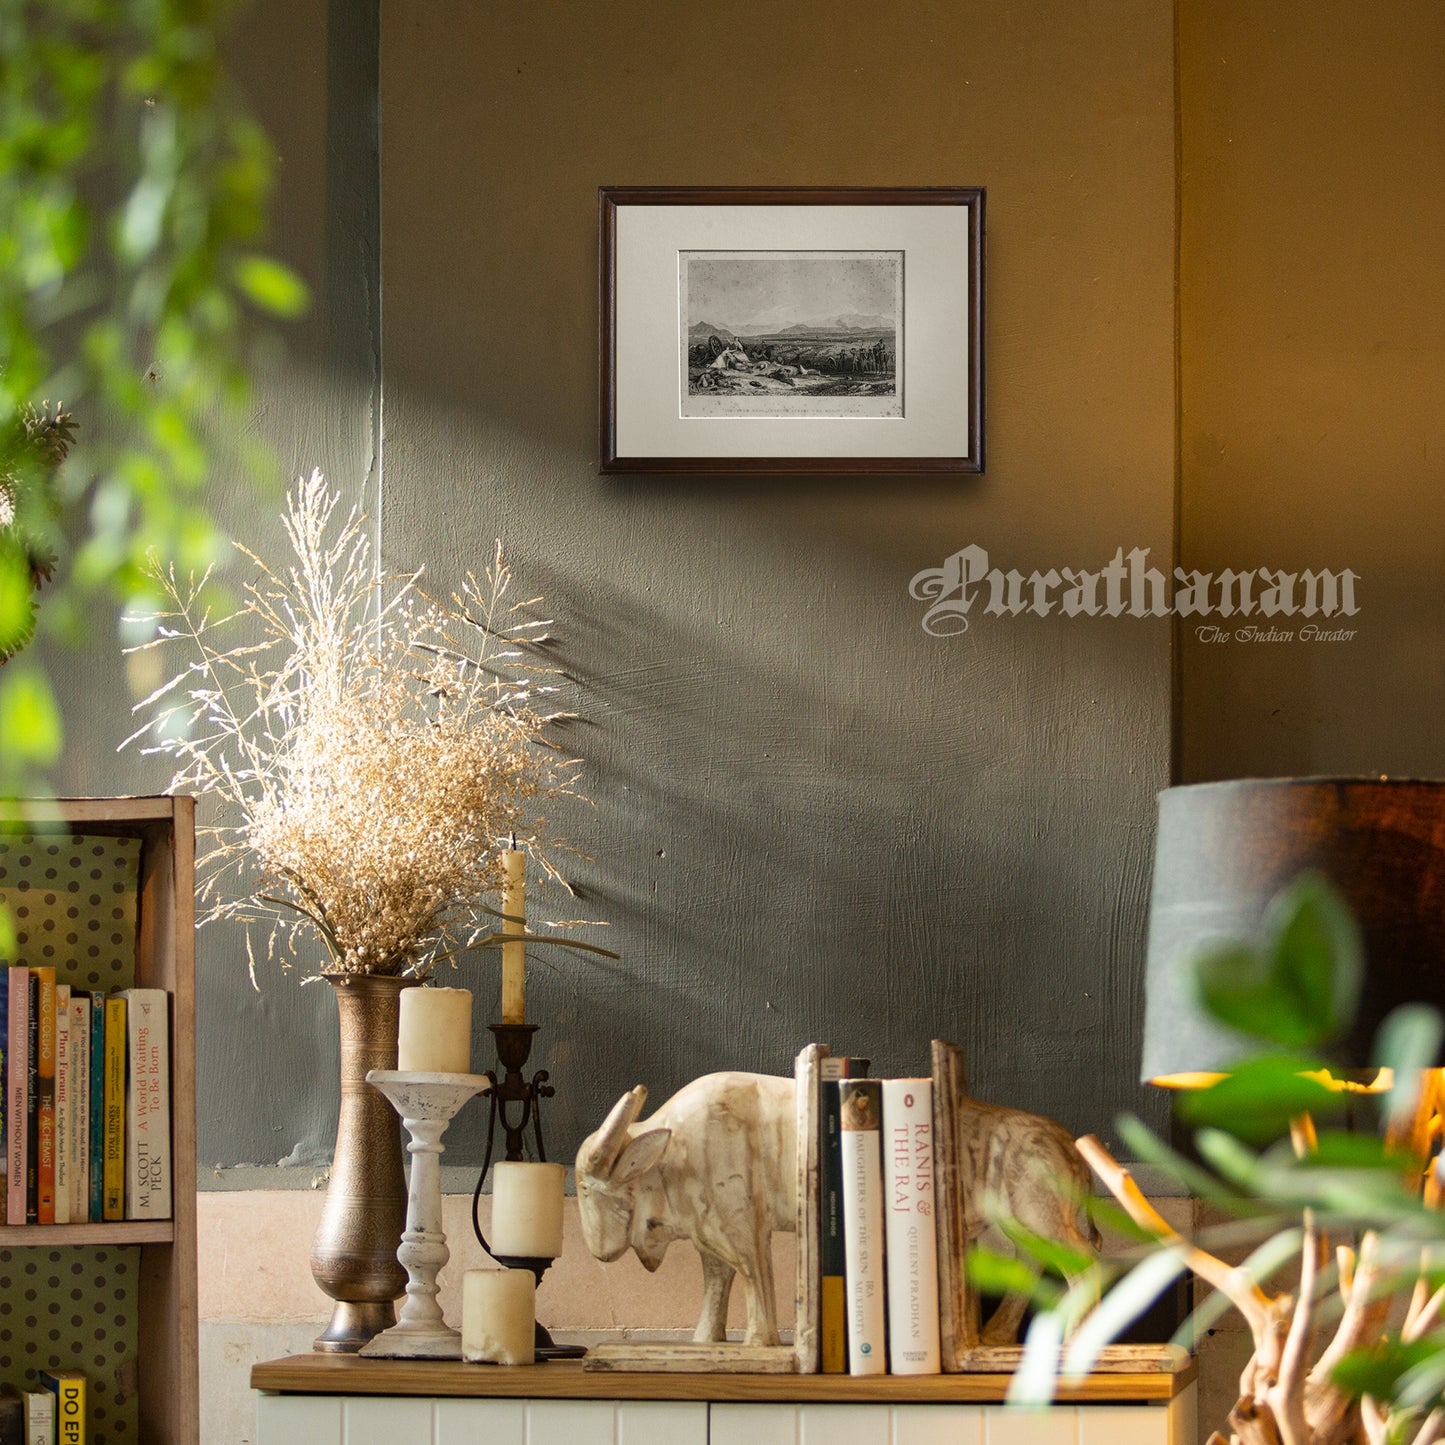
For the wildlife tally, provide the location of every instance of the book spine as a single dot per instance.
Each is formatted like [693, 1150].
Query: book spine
[80, 1102]
[64, 1104]
[32, 1099]
[12, 1416]
[40, 1418]
[113, 1204]
[45, 1100]
[4, 1071]
[833, 1315]
[148, 1110]
[67, 1391]
[97, 1108]
[859, 1110]
[911, 1248]
[17, 1090]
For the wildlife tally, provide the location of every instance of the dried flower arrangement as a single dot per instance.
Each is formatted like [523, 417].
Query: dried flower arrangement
[371, 748]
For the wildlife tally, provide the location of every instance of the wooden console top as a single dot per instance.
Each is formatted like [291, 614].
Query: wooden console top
[566, 1380]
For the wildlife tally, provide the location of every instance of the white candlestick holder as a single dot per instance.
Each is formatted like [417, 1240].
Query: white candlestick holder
[427, 1103]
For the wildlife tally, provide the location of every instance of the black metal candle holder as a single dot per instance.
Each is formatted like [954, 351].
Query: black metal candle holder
[516, 1103]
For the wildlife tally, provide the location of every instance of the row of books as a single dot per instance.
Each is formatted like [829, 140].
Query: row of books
[85, 1124]
[52, 1415]
[878, 1260]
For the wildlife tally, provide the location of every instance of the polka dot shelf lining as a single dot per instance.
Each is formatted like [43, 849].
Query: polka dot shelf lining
[73, 903]
[74, 1308]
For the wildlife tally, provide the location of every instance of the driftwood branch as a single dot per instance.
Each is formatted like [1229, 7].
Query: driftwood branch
[1283, 1399]
[1233, 1283]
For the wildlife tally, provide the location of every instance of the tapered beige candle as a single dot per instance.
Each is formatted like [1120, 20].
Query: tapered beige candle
[527, 1210]
[499, 1314]
[435, 1032]
[514, 966]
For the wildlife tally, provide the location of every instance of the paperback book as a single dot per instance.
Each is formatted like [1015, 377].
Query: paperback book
[912, 1250]
[148, 1107]
[860, 1113]
[17, 1057]
[834, 1314]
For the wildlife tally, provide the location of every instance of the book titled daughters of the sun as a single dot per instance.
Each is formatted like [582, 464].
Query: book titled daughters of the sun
[912, 1250]
[859, 1111]
[148, 1106]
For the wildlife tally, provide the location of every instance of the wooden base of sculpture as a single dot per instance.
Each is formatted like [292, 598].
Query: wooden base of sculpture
[694, 1359]
[1115, 1360]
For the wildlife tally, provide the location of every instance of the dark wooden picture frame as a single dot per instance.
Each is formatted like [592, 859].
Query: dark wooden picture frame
[895, 356]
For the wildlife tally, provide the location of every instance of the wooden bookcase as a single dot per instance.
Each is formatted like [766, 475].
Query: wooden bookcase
[157, 1294]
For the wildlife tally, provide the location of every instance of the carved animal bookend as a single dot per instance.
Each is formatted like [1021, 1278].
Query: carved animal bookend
[717, 1165]
[997, 1163]
[1024, 1167]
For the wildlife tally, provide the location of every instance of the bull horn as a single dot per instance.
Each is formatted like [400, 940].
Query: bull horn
[613, 1133]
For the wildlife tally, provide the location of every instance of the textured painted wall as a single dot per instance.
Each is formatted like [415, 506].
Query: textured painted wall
[812, 820]
[1313, 361]
[309, 71]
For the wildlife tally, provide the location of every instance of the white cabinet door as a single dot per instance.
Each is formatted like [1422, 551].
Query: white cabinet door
[466, 1422]
[658, 1423]
[382, 1421]
[843, 1425]
[1124, 1425]
[1057, 1426]
[571, 1422]
[937, 1425]
[298, 1420]
[752, 1425]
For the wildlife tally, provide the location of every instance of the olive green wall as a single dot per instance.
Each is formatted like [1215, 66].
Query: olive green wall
[812, 821]
[1312, 370]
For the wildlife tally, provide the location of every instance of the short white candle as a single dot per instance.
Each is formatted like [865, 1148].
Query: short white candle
[499, 1316]
[435, 1034]
[527, 1211]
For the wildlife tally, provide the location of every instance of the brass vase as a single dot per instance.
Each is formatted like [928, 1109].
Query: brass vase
[354, 1257]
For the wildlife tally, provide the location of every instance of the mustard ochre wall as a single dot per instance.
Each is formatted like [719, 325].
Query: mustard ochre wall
[1312, 345]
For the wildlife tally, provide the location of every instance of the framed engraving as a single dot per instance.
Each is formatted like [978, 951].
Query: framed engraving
[791, 330]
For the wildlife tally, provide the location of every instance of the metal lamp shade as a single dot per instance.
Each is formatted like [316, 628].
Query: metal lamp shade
[1225, 849]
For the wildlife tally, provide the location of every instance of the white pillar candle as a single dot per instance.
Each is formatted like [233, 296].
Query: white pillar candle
[527, 1211]
[435, 1033]
[514, 963]
[499, 1315]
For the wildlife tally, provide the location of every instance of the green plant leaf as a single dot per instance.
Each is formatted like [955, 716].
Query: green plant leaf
[1377, 1371]
[1408, 1043]
[1121, 1307]
[1342, 1149]
[1144, 1144]
[272, 286]
[1299, 989]
[1032, 1386]
[1226, 1154]
[992, 1273]
[29, 719]
[1056, 1257]
[1420, 1383]
[1257, 1100]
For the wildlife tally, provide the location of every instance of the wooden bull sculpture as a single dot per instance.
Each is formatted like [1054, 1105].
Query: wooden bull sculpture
[716, 1164]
